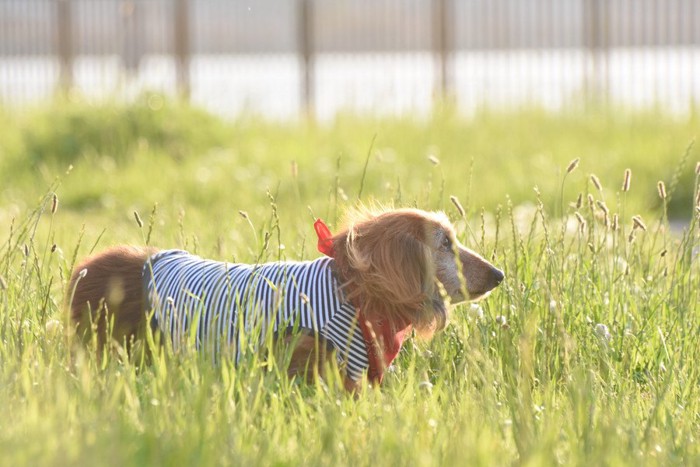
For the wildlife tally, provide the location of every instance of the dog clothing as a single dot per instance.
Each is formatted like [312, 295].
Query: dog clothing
[223, 305]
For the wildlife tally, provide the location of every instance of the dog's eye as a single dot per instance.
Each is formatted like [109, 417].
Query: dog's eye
[447, 243]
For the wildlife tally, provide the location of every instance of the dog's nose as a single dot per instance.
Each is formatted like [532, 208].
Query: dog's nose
[497, 276]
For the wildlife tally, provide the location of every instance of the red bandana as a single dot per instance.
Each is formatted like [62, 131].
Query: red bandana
[381, 340]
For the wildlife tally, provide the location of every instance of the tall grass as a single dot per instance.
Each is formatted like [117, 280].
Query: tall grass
[586, 354]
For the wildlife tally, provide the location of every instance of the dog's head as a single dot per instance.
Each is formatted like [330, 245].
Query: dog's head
[397, 263]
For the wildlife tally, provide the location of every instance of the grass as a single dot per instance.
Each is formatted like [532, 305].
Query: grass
[587, 354]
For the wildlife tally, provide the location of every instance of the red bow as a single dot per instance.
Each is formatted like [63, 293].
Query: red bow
[325, 238]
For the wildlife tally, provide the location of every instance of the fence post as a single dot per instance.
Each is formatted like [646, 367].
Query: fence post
[596, 42]
[182, 48]
[305, 26]
[64, 44]
[441, 45]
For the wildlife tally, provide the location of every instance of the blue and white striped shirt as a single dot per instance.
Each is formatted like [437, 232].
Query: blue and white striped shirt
[234, 304]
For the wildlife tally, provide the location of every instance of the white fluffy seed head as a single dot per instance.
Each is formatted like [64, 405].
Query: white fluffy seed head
[602, 331]
[475, 311]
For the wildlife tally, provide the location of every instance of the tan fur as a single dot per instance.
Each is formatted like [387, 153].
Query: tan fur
[392, 264]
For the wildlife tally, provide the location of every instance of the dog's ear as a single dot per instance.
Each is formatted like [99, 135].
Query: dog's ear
[391, 272]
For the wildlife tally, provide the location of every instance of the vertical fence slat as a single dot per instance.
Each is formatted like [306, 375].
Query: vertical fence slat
[64, 43]
[442, 43]
[181, 42]
[305, 37]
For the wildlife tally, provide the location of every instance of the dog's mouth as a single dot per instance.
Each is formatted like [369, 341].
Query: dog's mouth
[458, 297]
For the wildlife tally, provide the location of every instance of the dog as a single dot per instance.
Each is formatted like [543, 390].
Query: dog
[387, 273]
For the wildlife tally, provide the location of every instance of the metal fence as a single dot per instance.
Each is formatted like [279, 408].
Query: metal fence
[286, 57]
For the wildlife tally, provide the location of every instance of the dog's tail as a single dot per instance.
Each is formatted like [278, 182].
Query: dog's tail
[105, 295]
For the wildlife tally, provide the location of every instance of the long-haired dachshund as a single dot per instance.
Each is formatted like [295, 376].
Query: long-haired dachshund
[386, 273]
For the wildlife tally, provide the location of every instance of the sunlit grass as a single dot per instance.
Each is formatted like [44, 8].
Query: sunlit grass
[586, 354]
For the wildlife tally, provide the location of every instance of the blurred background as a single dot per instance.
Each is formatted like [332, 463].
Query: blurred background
[285, 58]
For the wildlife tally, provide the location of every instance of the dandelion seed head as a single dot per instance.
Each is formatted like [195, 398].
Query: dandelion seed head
[53, 328]
[425, 386]
[602, 331]
[475, 311]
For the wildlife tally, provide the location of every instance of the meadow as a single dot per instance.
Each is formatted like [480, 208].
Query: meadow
[588, 353]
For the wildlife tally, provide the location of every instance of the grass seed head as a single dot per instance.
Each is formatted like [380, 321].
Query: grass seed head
[458, 205]
[139, 222]
[596, 182]
[697, 168]
[54, 204]
[433, 160]
[603, 207]
[591, 201]
[615, 222]
[626, 182]
[243, 214]
[572, 165]
[662, 190]
[639, 223]
[579, 201]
